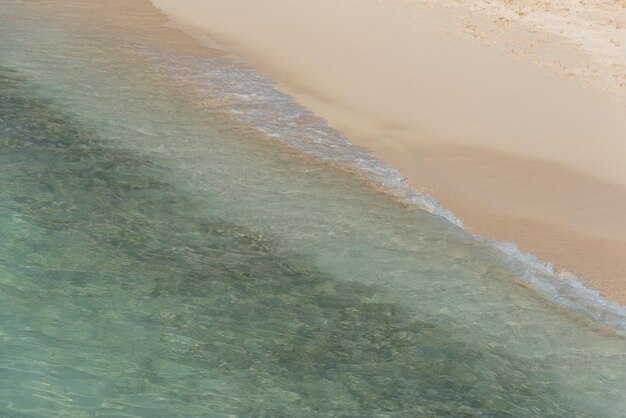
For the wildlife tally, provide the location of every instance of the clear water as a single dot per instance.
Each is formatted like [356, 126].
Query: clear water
[159, 260]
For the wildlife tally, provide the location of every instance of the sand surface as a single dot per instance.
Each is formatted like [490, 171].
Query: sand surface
[518, 125]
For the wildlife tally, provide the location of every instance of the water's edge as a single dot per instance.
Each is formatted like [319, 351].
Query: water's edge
[320, 140]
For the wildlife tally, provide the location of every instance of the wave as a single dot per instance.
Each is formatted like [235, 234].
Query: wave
[223, 84]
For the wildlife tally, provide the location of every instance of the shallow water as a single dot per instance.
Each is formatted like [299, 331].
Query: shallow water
[160, 260]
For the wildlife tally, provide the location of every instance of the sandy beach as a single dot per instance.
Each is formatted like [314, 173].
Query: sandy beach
[509, 118]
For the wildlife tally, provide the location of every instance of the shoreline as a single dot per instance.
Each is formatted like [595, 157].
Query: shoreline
[534, 198]
[496, 197]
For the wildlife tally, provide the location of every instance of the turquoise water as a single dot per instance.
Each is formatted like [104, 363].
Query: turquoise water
[158, 258]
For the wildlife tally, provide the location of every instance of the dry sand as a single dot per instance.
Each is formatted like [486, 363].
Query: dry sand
[469, 110]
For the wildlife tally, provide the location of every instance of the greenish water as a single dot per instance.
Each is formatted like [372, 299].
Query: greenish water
[157, 260]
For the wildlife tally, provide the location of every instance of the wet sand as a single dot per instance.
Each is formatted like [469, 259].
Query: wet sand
[519, 151]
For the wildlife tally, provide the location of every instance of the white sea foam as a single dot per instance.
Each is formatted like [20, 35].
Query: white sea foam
[228, 85]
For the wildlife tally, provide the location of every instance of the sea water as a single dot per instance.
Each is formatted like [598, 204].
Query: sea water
[179, 240]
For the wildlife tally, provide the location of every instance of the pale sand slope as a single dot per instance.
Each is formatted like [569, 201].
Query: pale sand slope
[518, 153]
